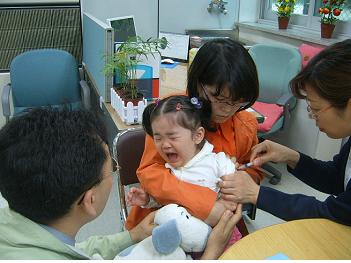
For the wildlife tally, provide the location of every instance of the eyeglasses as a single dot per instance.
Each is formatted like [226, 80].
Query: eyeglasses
[114, 165]
[314, 115]
[114, 169]
[226, 103]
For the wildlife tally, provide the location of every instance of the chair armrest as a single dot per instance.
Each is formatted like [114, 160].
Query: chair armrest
[5, 101]
[285, 99]
[85, 91]
[251, 209]
[288, 101]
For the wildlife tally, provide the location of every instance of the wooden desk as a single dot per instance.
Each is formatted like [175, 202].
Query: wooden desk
[299, 239]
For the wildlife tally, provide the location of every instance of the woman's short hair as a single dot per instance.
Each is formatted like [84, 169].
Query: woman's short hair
[329, 73]
[224, 63]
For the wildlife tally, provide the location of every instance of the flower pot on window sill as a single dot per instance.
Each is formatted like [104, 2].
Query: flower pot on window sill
[327, 30]
[283, 22]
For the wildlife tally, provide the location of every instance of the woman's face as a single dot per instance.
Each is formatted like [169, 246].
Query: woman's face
[222, 106]
[334, 122]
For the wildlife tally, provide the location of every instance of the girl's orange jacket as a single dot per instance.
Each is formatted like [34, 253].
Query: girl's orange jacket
[235, 137]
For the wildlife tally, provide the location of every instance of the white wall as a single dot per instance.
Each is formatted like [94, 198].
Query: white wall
[249, 10]
[177, 16]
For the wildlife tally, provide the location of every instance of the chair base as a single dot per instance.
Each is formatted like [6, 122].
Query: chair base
[275, 180]
[273, 173]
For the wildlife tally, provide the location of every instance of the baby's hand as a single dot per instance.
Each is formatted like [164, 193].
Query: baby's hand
[137, 197]
[237, 165]
[229, 205]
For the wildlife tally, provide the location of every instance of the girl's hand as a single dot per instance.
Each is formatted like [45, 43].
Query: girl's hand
[269, 151]
[228, 205]
[137, 197]
[237, 165]
[221, 234]
[218, 209]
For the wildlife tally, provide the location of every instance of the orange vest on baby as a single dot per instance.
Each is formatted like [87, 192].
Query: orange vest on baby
[235, 137]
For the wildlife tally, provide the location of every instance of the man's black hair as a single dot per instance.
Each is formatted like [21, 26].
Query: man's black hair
[48, 159]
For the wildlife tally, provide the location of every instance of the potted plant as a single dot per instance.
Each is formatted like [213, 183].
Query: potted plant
[127, 56]
[330, 11]
[284, 10]
[123, 64]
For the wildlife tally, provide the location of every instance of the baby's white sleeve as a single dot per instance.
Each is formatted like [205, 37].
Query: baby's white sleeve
[224, 164]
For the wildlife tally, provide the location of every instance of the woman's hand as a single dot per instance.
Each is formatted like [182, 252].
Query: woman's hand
[143, 229]
[239, 187]
[221, 234]
[269, 151]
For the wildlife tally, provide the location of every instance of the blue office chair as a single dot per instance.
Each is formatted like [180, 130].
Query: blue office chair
[276, 66]
[44, 77]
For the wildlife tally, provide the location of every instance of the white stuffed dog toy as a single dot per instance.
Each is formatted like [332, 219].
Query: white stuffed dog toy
[177, 234]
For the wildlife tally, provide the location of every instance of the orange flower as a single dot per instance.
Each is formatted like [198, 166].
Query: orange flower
[330, 10]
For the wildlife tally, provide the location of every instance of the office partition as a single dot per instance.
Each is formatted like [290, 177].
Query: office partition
[97, 45]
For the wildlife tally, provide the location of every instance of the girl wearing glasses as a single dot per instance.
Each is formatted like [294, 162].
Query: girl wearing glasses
[224, 77]
[326, 85]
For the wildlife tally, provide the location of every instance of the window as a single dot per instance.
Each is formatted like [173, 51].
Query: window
[306, 14]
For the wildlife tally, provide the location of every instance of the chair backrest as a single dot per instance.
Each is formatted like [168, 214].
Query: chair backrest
[44, 77]
[276, 66]
[128, 148]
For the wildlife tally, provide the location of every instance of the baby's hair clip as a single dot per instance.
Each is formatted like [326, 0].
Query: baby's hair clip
[179, 106]
[157, 101]
[196, 102]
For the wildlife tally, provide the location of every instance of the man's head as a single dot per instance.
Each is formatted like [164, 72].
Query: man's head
[50, 160]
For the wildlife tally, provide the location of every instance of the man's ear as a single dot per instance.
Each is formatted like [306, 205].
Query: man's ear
[349, 102]
[199, 135]
[348, 107]
[88, 203]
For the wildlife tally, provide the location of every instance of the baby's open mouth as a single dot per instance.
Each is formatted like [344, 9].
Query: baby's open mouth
[172, 157]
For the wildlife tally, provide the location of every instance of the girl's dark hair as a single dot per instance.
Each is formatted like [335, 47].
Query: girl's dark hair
[223, 63]
[329, 73]
[187, 114]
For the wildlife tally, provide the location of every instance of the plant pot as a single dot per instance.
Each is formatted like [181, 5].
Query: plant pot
[283, 22]
[126, 97]
[135, 101]
[119, 90]
[128, 112]
[327, 30]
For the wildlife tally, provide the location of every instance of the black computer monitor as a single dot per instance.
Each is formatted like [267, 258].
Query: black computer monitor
[123, 27]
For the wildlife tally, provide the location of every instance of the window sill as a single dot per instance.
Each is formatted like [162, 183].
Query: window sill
[298, 33]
